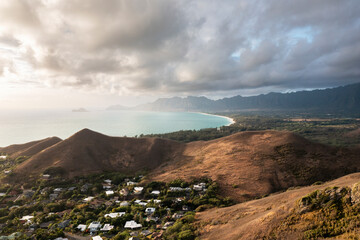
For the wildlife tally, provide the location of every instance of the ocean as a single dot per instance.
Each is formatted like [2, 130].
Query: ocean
[23, 126]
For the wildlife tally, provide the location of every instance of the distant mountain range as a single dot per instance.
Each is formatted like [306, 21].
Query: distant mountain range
[343, 99]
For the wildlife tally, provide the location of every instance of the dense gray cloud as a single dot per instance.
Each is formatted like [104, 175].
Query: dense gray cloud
[183, 47]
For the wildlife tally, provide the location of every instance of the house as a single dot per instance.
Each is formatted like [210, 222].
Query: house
[94, 226]
[107, 181]
[71, 188]
[28, 193]
[64, 224]
[88, 199]
[3, 157]
[97, 238]
[58, 190]
[85, 187]
[124, 204]
[2, 194]
[26, 219]
[185, 208]
[145, 233]
[46, 176]
[81, 227]
[152, 218]
[115, 214]
[140, 202]
[53, 196]
[108, 193]
[61, 238]
[150, 210]
[155, 192]
[177, 215]
[130, 183]
[45, 190]
[132, 225]
[199, 187]
[124, 192]
[179, 189]
[107, 227]
[167, 224]
[45, 225]
[33, 227]
[7, 171]
[138, 190]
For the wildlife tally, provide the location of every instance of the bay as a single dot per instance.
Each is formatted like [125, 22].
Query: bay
[24, 126]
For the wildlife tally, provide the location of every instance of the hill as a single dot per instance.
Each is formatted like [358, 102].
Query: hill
[344, 99]
[89, 152]
[289, 215]
[245, 165]
[252, 164]
[29, 149]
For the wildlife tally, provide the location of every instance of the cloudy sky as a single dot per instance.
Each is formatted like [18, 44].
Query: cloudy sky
[99, 53]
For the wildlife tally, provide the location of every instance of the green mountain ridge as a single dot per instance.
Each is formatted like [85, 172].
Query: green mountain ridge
[344, 99]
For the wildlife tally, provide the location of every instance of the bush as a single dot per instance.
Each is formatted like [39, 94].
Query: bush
[186, 235]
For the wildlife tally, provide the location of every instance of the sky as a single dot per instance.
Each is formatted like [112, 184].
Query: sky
[95, 53]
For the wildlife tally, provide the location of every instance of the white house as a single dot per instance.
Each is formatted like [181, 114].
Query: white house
[140, 202]
[124, 204]
[26, 219]
[97, 238]
[107, 181]
[3, 157]
[58, 190]
[94, 226]
[132, 224]
[81, 227]
[199, 187]
[115, 214]
[129, 183]
[155, 192]
[88, 199]
[107, 227]
[150, 210]
[138, 190]
[110, 192]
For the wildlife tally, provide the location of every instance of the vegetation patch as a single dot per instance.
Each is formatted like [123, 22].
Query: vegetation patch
[328, 213]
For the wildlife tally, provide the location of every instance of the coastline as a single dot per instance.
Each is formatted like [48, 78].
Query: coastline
[231, 120]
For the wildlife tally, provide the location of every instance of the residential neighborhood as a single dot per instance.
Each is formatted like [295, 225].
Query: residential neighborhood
[106, 206]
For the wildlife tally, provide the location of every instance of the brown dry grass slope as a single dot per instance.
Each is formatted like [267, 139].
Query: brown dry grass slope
[252, 164]
[31, 148]
[256, 219]
[89, 152]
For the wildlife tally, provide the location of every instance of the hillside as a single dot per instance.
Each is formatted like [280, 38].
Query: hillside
[284, 216]
[252, 164]
[29, 149]
[345, 100]
[245, 165]
[89, 152]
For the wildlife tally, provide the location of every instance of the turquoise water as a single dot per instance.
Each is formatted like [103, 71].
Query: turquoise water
[20, 127]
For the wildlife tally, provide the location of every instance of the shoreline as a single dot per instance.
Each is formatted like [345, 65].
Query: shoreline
[231, 120]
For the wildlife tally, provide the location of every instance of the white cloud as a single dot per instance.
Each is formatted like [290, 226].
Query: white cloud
[182, 47]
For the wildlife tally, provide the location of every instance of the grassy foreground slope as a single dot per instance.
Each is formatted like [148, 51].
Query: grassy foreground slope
[330, 210]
